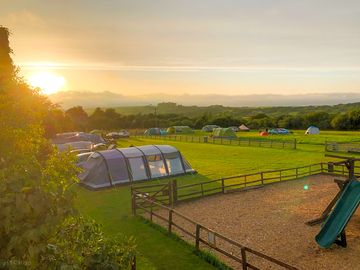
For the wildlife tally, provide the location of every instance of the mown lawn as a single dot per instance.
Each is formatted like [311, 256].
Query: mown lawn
[156, 251]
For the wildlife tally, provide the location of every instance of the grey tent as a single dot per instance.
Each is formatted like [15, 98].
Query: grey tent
[152, 131]
[68, 137]
[74, 145]
[123, 165]
[209, 128]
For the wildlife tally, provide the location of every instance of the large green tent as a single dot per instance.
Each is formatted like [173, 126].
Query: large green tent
[224, 133]
[179, 130]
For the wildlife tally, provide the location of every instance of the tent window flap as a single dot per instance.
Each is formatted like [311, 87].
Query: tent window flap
[156, 166]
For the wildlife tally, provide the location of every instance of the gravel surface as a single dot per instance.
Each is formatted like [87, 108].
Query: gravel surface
[271, 220]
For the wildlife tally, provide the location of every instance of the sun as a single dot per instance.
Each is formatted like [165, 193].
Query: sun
[48, 82]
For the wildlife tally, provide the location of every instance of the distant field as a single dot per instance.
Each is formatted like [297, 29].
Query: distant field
[299, 135]
[156, 251]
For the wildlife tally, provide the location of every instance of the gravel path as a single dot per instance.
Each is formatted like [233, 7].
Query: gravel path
[271, 219]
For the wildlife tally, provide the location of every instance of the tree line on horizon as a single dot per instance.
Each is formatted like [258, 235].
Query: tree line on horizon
[76, 118]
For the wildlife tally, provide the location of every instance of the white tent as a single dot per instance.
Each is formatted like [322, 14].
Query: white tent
[312, 130]
[244, 128]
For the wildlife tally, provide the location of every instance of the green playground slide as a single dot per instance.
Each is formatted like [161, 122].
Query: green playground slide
[340, 216]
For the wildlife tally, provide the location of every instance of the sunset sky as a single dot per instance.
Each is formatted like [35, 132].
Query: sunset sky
[199, 47]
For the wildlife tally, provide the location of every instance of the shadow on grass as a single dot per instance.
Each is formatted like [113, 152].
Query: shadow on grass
[207, 256]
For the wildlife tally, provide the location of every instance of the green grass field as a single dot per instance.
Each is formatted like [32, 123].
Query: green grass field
[111, 207]
[299, 135]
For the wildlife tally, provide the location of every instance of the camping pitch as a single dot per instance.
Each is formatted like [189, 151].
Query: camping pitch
[124, 165]
[224, 133]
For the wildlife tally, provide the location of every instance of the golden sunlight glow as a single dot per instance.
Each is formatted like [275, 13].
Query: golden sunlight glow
[48, 82]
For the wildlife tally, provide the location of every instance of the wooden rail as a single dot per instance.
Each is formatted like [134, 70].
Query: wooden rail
[167, 216]
[234, 183]
[239, 141]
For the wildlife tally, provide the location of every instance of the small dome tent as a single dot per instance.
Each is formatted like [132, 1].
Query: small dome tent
[179, 130]
[123, 165]
[244, 128]
[312, 130]
[224, 133]
[279, 131]
[153, 131]
[209, 128]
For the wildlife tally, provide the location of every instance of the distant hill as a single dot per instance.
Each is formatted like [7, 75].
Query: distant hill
[263, 104]
[109, 99]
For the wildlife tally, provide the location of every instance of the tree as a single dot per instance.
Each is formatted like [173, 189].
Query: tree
[341, 122]
[78, 117]
[36, 198]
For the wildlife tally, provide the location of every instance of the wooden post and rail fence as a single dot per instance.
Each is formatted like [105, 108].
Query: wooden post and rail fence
[239, 141]
[157, 199]
[346, 147]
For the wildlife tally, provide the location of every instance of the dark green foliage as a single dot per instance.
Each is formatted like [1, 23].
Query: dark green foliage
[110, 119]
[39, 226]
[81, 244]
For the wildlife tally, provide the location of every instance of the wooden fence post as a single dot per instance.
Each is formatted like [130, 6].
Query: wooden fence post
[197, 237]
[243, 258]
[151, 211]
[262, 178]
[133, 204]
[297, 172]
[174, 191]
[295, 143]
[170, 220]
[133, 263]
[171, 199]
[222, 185]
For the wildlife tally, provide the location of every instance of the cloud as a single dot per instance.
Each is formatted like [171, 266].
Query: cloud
[23, 18]
[181, 68]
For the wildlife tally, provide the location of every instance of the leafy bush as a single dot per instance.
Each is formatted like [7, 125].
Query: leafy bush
[80, 243]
